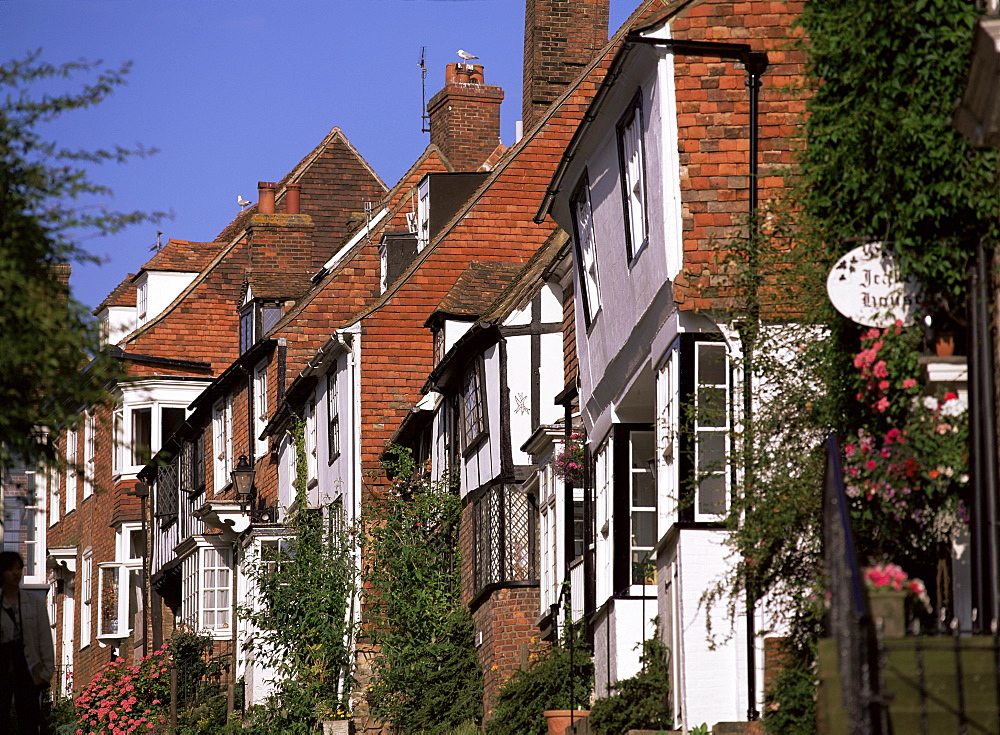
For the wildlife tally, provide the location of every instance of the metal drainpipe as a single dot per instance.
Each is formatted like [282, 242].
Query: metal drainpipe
[755, 66]
[984, 447]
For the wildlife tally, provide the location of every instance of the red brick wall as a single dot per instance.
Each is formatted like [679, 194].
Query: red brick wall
[560, 38]
[713, 136]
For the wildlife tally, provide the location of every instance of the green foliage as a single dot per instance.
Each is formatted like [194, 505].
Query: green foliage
[641, 702]
[883, 161]
[790, 704]
[302, 616]
[47, 202]
[427, 677]
[560, 677]
[59, 714]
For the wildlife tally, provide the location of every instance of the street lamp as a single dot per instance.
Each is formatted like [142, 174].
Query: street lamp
[243, 481]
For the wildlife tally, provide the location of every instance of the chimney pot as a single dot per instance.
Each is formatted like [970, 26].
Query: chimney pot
[265, 197]
[292, 198]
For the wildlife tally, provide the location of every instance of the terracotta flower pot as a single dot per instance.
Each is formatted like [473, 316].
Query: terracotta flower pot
[560, 719]
[944, 344]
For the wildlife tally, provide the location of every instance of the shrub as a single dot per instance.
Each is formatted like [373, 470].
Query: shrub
[641, 702]
[561, 677]
[127, 698]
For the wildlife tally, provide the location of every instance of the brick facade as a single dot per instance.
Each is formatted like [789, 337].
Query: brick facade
[561, 38]
[713, 140]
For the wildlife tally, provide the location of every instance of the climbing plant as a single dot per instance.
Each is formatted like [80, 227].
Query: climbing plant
[302, 614]
[427, 677]
[883, 161]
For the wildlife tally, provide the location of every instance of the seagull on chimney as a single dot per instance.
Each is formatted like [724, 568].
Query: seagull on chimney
[465, 55]
[242, 202]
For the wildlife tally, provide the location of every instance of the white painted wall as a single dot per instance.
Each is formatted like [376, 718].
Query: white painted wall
[708, 676]
[117, 323]
[619, 630]
[162, 287]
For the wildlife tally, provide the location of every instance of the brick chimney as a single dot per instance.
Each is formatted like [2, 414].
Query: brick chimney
[560, 38]
[465, 116]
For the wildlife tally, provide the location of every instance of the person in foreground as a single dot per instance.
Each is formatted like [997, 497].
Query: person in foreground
[27, 660]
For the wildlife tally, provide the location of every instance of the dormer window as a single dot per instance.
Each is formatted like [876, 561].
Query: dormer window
[423, 214]
[439, 344]
[142, 301]
[257, 318]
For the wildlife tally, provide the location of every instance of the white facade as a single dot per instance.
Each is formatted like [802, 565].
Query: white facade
[658, 398]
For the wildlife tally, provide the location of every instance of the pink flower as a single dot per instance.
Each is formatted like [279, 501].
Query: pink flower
[949, 396]
[882, 405]
[883, 385]
[849, 450]
[870, 465]
[892, 436]
[879, 369]
[909, 383]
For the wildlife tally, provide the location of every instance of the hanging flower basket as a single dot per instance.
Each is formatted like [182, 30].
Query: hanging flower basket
[570, 463]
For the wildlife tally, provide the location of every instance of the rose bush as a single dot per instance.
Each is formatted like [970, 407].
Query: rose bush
[127, 698]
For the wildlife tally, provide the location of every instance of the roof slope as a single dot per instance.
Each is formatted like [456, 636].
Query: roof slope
[182, 256]
[478, 286]
[336, 183]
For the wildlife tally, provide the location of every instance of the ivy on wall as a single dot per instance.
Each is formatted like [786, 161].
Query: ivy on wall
[882, 160]
[427, 677]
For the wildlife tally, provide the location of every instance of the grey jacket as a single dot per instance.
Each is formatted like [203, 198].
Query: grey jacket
[38, 649]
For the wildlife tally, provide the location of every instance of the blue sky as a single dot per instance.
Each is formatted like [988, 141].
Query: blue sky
[232, 93]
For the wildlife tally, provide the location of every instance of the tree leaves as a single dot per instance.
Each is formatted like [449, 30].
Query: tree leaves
[47, 203]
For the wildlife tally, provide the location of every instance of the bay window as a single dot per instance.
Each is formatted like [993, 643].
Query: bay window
[140, 429]
[505, 537]
[207, 574]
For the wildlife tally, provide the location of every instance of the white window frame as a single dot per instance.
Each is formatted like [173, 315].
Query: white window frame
[423, 214]
[118, 439]
[222, 443]
[260, 414]
[712, 470]
[125, 570]
[200, 568]
[332, 416]
[312, 461]
[86, 597]
[55, 494]
[383, 259]
[141, 302]
[632, 160]
[586, 250]
[123, 429]
[72, 471]
[89, 453]
[638, 468]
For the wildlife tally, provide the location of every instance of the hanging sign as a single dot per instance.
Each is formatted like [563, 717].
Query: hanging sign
[865, 286]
